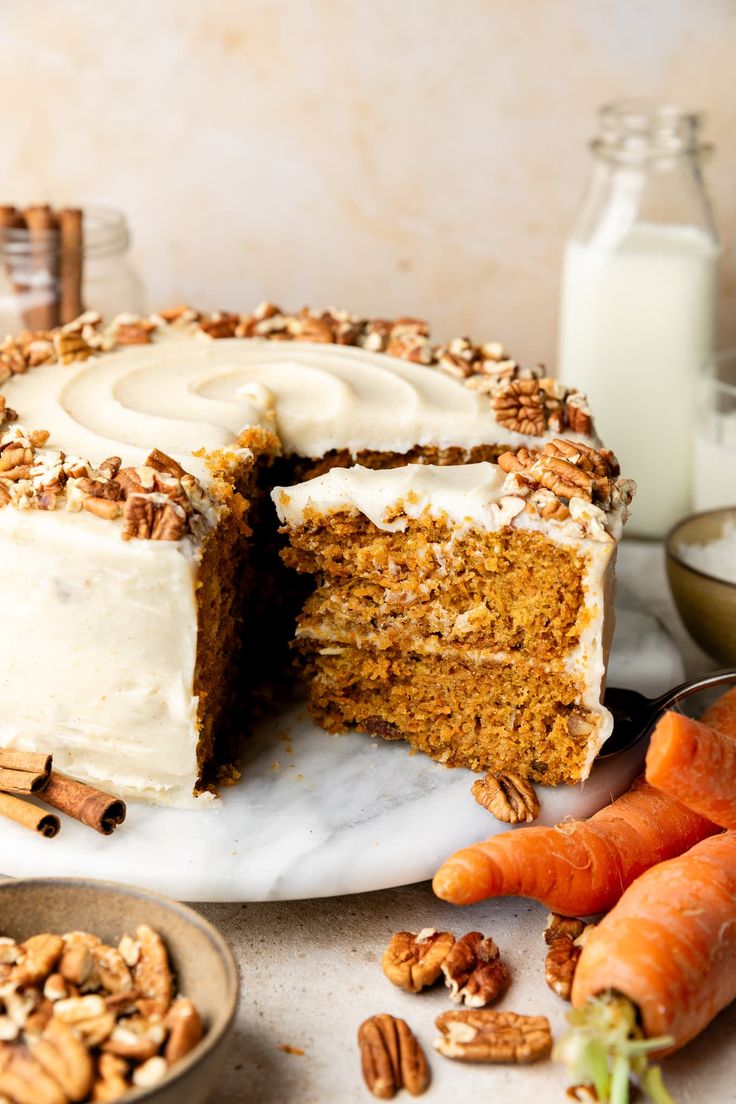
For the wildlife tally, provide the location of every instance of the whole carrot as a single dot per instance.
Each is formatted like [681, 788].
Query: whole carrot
[669, 945]
[695, 764]
[579, 867]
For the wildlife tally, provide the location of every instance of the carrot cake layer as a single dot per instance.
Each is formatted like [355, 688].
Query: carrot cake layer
[141, 585]
[466, 609]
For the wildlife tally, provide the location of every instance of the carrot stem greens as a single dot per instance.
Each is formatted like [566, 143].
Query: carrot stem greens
[605, 1047]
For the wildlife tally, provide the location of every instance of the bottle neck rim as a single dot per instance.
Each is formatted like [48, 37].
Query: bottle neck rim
[639, 131]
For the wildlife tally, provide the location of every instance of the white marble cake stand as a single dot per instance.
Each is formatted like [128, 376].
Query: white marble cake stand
[317, 815]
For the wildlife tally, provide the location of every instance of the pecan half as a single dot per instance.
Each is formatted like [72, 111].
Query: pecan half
[509, 797]
[161, 462]
[22, 1078]
[391, 1057]
[181, 312]
[184, 1027]
[71, 346]
[454, 365]
[474, 972]
[147, 518]
[484, 1035]
[564, 937]
[220, 325]
[134, 333]
[578, 413]
[413, 962]
[65, 1058]
[376, 334]
[38, 957]
[152, 973]
[317, 328]
[110, 1083]
[102, 507]
[519, 406]
[130, 1041]
[6, 413]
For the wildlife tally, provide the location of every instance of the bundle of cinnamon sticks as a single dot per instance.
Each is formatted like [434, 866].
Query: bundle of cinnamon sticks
[25, 775]
[47, 275]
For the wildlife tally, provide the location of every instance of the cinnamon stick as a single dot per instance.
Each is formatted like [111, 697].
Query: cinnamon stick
[29, 816]
[11, 759]
[43, 233]
[71, 235]
[95, 808]
[10, 217]
[22, 781]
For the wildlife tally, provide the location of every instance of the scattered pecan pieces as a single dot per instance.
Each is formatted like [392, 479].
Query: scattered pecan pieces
[474, 972]
[564, 937]
[413, 962]
[158, 501]
[391, 1057]
[508, 796]
[484, 1035]
[570, 469]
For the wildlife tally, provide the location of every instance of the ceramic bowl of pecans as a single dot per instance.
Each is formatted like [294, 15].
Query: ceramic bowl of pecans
[109, 993]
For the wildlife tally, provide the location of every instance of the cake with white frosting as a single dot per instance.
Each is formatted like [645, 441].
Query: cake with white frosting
[466, 609]
[140, 577]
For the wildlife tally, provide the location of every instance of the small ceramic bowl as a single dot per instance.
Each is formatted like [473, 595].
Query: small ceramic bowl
[205, 969]
[706, 604]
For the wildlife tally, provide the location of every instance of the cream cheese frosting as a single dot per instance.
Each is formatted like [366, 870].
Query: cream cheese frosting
[103, 640]
[186, 392]
[474, 494]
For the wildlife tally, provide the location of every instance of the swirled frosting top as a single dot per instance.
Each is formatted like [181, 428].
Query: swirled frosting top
[185, 392]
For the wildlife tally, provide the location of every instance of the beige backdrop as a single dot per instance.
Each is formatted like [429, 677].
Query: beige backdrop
[411, 156]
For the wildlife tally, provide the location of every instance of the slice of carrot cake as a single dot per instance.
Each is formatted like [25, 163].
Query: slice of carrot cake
[468, 610]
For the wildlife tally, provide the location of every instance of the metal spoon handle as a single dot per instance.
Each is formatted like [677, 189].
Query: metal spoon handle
[686, 689]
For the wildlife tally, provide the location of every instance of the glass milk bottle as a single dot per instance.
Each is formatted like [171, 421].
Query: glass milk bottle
[638, 300]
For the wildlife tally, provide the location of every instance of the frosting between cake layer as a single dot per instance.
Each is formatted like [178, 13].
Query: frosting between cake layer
[474, 494]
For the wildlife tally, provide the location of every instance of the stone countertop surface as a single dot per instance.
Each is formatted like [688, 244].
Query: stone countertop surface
[311, 973]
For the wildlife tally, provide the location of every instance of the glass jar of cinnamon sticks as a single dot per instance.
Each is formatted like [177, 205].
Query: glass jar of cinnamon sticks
[55, 263]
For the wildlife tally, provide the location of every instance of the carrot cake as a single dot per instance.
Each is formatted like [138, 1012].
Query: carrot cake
[140, 583]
